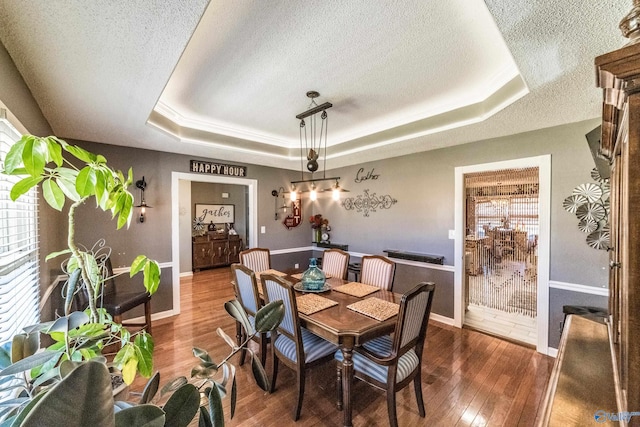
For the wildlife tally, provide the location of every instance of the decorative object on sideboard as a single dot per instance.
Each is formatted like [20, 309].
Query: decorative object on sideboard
[320, 226]
[590, 203]
[142, 185]
[313, 140]
[366, 202]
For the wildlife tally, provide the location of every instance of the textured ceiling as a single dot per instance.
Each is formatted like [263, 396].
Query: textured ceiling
[225, 79]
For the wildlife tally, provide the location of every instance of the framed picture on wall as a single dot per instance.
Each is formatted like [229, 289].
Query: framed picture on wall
[219, 214]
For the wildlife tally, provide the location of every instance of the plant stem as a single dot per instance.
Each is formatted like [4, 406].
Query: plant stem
[71, 243]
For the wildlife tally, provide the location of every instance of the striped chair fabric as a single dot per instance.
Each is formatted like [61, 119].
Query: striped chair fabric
[256, 259]
[392, 362]
[294, 346]
[246, 290]
[335, 263]
[377, 271]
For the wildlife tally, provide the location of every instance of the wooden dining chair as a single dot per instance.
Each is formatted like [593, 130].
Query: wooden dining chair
[391, 362]
[256, 259]
[293, 345]
[377, 271]
[246, 290]
[335, 263]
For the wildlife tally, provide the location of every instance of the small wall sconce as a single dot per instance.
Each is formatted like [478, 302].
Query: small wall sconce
[142, 185]
[277, 194]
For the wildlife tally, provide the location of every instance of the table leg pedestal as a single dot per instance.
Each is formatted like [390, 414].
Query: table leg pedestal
[347, 379]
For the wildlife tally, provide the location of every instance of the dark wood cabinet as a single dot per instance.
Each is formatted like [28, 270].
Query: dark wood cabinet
[215, 250]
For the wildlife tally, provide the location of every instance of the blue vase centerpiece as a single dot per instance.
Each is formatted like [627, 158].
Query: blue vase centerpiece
[313, 278]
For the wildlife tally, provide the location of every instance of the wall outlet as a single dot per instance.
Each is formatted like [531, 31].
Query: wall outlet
[263, 229]
[452, 234]
[296, 265]
[225, 195]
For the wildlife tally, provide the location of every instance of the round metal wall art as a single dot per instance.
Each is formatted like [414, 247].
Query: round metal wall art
[572, 203]
[590, 203]
[591, 212]
[591, 191]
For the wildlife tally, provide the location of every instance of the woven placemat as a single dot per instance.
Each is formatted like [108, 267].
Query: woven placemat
[299, 276]
[377, 308]
[312, 303]
[271, 271]
[356, 289]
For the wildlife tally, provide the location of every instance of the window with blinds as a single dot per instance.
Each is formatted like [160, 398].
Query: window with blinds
[19, 271]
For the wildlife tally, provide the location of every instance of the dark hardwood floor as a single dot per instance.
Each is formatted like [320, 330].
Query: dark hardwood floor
[468, 378]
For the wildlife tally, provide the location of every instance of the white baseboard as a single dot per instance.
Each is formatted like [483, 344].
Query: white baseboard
[441, 319]
[553, 352]
[154, 316]
[186, 274]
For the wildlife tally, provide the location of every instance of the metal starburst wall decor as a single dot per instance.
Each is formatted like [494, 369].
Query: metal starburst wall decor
[368, 202]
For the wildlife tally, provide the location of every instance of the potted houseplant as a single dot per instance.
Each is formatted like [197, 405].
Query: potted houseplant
[69, 173]
[82, 395]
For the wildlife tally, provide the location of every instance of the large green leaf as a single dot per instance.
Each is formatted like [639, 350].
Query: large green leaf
[145, 362]
[83, 398]
[182, 406]
[151, 388]
[55, 151]
[80, 153]
[151, 276]
[57, 254]
[140, 416]
[86, 181]
[13, 159]
[72, 284]
[66, 323]
[137, 265]
[269, 317]
[215, 407]
[234, 308]
[259, 373]
[68, 187]
[34, 156]
[53, 194]
[29, 362]
[205, 419]
[24, 185]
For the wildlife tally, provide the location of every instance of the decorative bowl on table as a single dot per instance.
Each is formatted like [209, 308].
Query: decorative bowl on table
[313, 279]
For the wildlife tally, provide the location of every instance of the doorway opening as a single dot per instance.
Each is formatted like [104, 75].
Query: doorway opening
[514, 254]
[501, 252]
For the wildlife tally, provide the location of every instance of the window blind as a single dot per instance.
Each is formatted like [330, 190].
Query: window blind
[19, 269]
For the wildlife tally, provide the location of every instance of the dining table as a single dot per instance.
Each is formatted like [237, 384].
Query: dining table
[342, 325]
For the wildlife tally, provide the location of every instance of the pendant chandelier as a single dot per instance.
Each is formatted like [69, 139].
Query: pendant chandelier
[313, 140]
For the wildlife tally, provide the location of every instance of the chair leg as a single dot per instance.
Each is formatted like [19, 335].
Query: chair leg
[301, 381]
[339, 386]
[417, 385]
[391, 407]
[274, 370]
[147, 316]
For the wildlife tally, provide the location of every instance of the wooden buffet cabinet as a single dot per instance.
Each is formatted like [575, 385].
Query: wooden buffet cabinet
[215, 249]
[618, 74]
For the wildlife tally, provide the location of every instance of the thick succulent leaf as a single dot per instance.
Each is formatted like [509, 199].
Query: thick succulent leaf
[259, 373]
[24, 185]
[203, 371]
[172, 385]
[140, 415]
[234, 393]
[27, 409]
[150, 389]
[226, 338]
[202, 354]
[234, 308]
[66, 323]
[72, 284]
[13, 159]
[151, 276]
[215, 407]
[34, 156]
[269, 317]
[83, 398]
[24, 345]
[182, 406]
[205, 419]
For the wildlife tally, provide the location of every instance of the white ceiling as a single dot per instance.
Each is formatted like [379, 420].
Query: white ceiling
[225, 79]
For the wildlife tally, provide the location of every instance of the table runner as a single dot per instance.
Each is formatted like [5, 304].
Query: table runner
[312, 303]
[376, 308]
